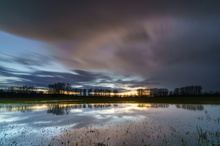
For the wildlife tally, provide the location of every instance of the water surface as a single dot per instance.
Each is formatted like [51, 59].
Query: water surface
[109, 124]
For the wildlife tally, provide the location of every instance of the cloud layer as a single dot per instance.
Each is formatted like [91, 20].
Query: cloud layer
[170, 44]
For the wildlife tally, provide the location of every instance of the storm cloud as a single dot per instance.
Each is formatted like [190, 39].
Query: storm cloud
[166, 43]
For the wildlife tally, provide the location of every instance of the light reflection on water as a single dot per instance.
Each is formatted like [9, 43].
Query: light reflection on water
[112, 124]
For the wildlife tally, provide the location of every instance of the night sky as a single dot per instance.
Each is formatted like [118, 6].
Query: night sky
[125, 44]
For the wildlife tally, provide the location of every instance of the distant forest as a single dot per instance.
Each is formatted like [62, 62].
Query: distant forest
[61, 88]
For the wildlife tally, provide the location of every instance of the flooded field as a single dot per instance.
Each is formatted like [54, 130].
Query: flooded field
[128, 124]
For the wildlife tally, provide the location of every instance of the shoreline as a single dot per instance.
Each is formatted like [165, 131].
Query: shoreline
[72, 99]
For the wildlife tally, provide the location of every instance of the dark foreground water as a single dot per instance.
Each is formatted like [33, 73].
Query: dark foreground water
[109, 124]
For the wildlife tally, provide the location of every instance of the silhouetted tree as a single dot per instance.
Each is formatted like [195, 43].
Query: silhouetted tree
[153, 92]
[68, 88]
[84, 92]
[95, 92]
[58, 88]
[188, 91]
[171, 93]
[176, 92]
[75, 91]
[89, 92]
[140, 92]
[198, 90]
[115, 93]
[80, 92]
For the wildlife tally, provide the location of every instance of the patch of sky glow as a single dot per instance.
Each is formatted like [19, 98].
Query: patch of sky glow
[5, 80]
[109, 85]
[9, 118]
[20, 73]
[98, 80]
[77, 86]
[42, 122]
[14, 46]
[76, 110]
[101, 112]
[130, 107]
[131, 89]
[27, 50]
[130, 118]
[121, 109]
[49, 76]
[11, 44]
[16, 67]
[132, 78]
[53, 67]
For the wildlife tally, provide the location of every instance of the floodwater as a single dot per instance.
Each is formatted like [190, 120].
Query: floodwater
[128, 124]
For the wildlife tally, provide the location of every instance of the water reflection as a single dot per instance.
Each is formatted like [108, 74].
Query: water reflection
[21, 108]
[58, 109]
[110, 124]
[64, 109]
[193, 107]
[153, 105]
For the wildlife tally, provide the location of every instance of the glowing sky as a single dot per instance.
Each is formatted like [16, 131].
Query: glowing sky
[121, 45]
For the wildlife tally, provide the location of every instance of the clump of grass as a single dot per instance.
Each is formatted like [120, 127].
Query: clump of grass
[202, 134]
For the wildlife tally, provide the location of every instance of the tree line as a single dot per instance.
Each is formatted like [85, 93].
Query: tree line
[161, 92]
[188, 90]
[65, 88]
[154, 92]
[59, 88]
[62, 88]
[20, 90]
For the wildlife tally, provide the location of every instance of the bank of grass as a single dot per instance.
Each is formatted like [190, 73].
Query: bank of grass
[72, 100]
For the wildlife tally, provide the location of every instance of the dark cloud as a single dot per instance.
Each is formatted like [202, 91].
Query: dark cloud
[55, 20]
[168, 43]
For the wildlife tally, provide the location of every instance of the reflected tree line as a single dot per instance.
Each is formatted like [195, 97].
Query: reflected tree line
[58, 110]
[194, 107]
[62, 88]
[153, 105]
[23, 108]
[64, 109]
